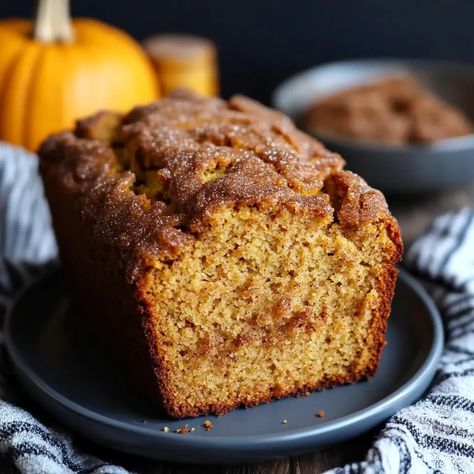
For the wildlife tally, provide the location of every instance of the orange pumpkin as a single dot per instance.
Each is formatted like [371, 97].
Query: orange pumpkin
[53, 71]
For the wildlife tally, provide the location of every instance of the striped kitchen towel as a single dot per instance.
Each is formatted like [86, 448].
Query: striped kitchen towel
[435, 435]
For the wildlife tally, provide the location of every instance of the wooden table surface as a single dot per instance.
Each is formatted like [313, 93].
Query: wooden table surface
[414, 215]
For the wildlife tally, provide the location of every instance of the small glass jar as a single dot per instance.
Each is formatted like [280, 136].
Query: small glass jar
[184, 61]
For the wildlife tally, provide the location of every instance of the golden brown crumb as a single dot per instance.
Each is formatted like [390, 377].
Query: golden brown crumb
[208, 426]
[165, 429]
[320, 414]
[285, 421]
[183, 430]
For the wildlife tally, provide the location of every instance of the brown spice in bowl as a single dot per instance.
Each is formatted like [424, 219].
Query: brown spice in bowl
[396, 110]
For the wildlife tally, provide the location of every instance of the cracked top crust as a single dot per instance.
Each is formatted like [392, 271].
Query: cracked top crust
[150, 180]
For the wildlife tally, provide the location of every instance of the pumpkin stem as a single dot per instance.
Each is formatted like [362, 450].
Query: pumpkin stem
[53, 21]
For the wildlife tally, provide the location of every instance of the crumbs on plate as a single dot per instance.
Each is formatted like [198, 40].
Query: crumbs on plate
[208, 426]
[320, 414]
[183, 430]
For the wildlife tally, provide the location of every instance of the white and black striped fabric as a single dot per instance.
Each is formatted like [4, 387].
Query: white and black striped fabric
[435, 435]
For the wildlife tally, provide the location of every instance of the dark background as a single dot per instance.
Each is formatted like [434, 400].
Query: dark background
[262, 42]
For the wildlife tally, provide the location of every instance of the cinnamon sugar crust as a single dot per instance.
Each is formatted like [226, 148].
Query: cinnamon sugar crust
[263, 160]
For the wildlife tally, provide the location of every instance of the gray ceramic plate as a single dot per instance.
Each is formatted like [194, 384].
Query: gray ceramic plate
[393, 169]
[61, 366]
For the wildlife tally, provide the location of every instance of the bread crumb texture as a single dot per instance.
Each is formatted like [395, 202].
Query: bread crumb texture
[227, 256]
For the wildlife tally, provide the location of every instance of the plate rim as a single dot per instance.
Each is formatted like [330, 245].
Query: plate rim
[248, 442]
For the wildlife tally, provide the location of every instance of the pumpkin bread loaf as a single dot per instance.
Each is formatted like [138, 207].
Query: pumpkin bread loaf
[228, 257]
